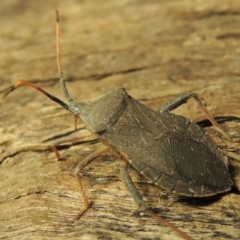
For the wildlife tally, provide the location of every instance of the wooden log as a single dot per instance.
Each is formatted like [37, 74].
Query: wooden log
[156, 50]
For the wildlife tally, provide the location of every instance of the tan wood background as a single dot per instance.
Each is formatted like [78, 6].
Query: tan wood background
[156, 50]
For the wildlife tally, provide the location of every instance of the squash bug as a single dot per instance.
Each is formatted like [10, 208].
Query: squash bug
[170, 150]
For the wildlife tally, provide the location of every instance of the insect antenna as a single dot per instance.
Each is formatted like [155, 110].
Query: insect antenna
[32, 85]
[59, 63]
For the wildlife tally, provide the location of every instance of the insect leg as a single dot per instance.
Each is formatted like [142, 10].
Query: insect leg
[75, 118]
[131, 187]
[65, 140]
[79, 168]
[182, 98]
[139, 200]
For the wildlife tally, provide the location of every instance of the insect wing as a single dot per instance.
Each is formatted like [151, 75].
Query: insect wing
[174, 161]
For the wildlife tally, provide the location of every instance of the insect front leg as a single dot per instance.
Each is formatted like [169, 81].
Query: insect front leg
[182, 98]
[139, 200]
[66, 140]
[79, 168]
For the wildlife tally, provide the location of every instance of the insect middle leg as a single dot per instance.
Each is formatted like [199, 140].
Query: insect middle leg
[139, 200]
[182, 98]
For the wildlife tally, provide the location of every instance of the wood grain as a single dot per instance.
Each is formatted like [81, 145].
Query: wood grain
[156, 50]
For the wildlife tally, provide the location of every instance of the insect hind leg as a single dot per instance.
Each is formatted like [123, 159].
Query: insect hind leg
[139, 200]
[182, 98]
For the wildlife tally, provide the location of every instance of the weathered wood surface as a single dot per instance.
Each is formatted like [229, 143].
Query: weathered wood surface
[156, 50]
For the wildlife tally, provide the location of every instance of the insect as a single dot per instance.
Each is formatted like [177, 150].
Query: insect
[173, 152]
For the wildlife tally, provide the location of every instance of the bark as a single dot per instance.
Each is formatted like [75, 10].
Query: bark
[154, 49]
